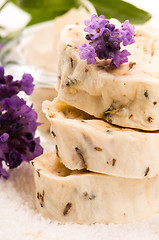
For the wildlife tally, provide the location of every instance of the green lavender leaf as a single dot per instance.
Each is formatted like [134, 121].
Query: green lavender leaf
[121, 10]
[56, 4]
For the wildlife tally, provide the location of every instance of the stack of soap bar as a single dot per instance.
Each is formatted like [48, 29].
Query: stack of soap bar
[102, 172]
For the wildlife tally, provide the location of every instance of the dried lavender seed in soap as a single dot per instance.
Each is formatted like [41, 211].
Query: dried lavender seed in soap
[147, 171]
[67, 208]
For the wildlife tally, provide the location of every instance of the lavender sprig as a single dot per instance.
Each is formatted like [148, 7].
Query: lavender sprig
[105, 41]
[18, 123]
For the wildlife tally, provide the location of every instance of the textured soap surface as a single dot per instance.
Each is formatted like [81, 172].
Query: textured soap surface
[126, 96]
[84, 142]
[85, 197]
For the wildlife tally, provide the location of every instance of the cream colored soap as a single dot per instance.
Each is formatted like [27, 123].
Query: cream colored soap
[85, 197]
[126, 96]
[84, 142]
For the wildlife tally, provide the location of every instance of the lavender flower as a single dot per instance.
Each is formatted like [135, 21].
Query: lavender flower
[95, 26]
[9, 87]
[18, 123]
[127, 33]
[106, 41]
[120, 57]
[87, 52]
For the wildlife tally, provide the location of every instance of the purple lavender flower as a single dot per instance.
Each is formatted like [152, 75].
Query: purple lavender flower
[106, 41]
[27, 84]
[127, 33]
[120, 57]
[87, 52]
[18, 123]
[95, 26]
[10, 87]
[100, 48]
[4, 137]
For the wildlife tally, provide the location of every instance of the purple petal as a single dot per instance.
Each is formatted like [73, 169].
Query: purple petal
[87, 52]
[127, 32]
[1, 71]
[121, 57]
[27, 83]
[95, 26]
[4, 137]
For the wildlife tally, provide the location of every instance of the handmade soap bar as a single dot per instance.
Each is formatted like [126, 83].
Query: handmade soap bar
[126, 96]
[86, 197]
[84, 142]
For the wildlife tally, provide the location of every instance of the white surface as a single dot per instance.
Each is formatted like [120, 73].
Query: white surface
[147, 5]
[12, 19]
